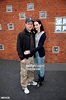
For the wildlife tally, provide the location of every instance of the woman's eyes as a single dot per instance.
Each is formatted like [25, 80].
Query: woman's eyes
[36, 25]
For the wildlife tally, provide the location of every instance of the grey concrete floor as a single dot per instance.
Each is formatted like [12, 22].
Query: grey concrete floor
[54, 87]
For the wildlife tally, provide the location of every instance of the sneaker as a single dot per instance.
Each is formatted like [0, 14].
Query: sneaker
[34, 83]
[26, 91]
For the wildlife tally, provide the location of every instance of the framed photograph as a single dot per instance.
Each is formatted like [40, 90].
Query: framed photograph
[58, 21]
[55, 49]
[30, 6]
[0, 27]
[43, 14]
[22, 16]
[64, 21]
[9, 8]
[58, 28]
[64, 28]
[10, 26]
[1, 47]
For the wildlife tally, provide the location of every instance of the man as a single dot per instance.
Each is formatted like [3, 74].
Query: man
[25, 42]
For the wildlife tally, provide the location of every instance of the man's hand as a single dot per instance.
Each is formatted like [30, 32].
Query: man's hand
[27, 52]
[23, 61]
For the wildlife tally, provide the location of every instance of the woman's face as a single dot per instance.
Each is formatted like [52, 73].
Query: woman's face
[37, 26]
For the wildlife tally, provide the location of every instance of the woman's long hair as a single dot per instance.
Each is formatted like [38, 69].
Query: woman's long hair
[41, 27]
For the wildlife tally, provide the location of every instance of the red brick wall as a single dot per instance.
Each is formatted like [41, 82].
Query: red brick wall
[54, 8]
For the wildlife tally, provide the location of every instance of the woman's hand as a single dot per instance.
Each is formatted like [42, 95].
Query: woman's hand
[26, 52]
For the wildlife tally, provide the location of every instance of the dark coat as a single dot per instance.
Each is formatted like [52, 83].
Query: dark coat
[40, 47]
[23, 43]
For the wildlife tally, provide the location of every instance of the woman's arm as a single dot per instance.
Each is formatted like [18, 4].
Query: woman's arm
[40, 45]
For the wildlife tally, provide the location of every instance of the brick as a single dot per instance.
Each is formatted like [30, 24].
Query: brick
[54, 8]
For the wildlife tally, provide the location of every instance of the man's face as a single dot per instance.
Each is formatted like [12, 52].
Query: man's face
[29, 26]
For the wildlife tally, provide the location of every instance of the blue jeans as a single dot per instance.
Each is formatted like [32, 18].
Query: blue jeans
[39, 61]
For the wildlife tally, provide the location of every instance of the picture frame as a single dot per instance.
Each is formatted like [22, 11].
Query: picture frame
[1, 47]
[58, 28]
[9, 8]
[10, 26]
[42, 14]
[22, 16]
[30, 6]
[55, 49]
[0, 27]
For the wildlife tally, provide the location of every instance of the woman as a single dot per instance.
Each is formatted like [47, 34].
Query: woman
[39, 50]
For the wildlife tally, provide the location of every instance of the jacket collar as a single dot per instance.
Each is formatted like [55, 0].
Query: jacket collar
[26, 32]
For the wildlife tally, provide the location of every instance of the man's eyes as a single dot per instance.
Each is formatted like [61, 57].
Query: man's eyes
[30, 24]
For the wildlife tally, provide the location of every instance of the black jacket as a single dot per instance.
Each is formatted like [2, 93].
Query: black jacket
[23, 43]
[40, 47]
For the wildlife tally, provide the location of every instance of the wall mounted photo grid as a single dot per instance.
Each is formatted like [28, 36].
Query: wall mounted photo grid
[60, 24]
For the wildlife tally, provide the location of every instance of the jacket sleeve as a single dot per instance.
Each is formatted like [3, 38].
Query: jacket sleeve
[40, 45]
[19, 47]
